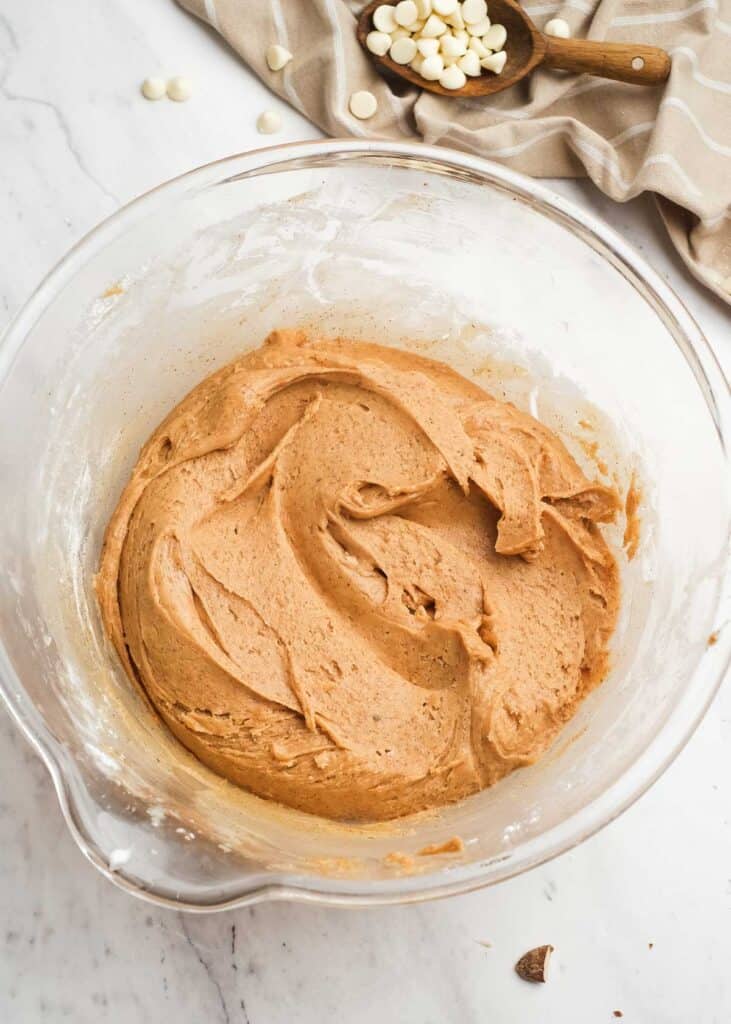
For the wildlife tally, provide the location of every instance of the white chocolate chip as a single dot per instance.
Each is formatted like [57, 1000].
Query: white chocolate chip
[384, 18]
[406, 12]
[268, 122]
[452, 78]
[427, 47]
[559, 28]
[433, 27]
[470, 64]
[478, 47]
[451, 46]
[494, 38]
[363, 105]
[474, 11]
[179, 88]
[440, 40]
[432, 68]
[378, 43]
[153, 88]
[495, 62]
[277, 57]
[455, 20]
[480, 27]
[403, 51]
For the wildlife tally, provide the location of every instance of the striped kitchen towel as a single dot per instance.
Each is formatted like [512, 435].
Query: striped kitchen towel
[673, 140]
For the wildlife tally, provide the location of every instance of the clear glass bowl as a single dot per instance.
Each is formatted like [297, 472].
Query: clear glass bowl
[406, 245]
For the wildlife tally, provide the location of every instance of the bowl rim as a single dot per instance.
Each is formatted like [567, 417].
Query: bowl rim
[682, 720]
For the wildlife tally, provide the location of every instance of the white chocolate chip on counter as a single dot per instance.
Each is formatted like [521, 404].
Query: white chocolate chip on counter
[378, 43]
[268, 122]
[277, 57]
[494, 38]
[495, 62]
[474, 11]
[363, 104]
[403, 51]
[179, 88]
[558, 28]
[384, 18]
[153, 88]
[424, 7]
[452, 78]
[445, 7]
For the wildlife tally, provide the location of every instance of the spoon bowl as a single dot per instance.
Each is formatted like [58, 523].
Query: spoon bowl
[526, 48]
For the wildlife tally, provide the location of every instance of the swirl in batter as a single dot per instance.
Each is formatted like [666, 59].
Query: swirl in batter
[351, 581]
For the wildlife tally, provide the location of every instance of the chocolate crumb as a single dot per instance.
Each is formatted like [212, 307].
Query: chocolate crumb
[618, 1013]
[532, 965]
[713, 638]
[650, 945]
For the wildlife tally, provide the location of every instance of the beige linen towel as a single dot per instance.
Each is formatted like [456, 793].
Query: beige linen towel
[673, 140]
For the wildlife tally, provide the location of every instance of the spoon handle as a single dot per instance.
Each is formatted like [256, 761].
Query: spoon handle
[640, 65]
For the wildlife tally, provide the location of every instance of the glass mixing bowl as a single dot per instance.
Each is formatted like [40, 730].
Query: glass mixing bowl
[407, 245]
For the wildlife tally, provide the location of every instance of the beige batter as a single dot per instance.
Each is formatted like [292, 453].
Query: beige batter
[351, 581]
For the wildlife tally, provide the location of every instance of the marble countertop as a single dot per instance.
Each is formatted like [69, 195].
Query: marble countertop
[640, 915]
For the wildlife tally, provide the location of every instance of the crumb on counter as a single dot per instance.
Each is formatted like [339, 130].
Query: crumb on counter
[533, 965]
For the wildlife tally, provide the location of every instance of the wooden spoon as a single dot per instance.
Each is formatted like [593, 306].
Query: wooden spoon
[526, 48]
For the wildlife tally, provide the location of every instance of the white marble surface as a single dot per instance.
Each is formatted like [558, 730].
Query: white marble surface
[75, 142]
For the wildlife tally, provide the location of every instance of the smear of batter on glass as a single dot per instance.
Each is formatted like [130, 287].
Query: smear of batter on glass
[631, 540]
[351, 581]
